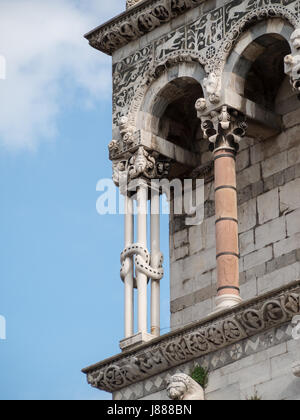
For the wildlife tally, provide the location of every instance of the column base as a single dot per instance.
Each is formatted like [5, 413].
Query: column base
[135, 341]
[226, 302]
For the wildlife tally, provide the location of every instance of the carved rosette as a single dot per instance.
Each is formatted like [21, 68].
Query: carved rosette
[183, 346]
[223, 128]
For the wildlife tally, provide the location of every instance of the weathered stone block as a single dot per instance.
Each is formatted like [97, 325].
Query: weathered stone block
[247, 216]
[248, 176]
[196, 238]
[180, 238]
[249, 289]
[293, 222]
[287, 245]
[247, 242]
[279, 278]
[270, 232]
[258, 257]
[290, 196]
[252, 375]
[181, 252]
[274, 164]
[268, 206]
[243, 160]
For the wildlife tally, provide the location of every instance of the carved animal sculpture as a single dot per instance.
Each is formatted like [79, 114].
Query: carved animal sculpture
[183, 387]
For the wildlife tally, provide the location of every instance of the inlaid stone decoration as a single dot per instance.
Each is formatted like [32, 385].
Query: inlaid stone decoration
[208, 40]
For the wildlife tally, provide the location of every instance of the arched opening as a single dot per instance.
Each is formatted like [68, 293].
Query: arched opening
[262, 67]
[176, 118]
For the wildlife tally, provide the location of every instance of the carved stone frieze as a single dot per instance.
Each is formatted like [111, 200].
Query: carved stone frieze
[208, 41]
[210, 335]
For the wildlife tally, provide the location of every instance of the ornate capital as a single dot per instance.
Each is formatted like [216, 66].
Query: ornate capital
[142, 164]
[292, 61]
[223, 128]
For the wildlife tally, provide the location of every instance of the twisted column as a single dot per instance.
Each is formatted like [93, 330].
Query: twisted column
[224, 129]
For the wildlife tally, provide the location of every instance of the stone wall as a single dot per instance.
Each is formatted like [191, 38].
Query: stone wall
[268, 177]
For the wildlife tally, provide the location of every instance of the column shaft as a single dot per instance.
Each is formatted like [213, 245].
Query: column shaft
[128, 281]
[155, 257]
[226, 228]
[142, 279]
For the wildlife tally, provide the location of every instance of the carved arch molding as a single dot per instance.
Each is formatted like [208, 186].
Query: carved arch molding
[207, 41]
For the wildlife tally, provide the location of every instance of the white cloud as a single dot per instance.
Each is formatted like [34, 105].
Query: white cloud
[48, 61]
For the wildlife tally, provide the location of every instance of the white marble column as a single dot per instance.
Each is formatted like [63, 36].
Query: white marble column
[142, 279]
[128, 281]
[155, 262]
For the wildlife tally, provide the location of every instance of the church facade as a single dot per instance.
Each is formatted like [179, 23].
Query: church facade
[207, 90]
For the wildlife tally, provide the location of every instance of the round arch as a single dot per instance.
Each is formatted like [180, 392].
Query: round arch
[255, 67]
[172, 97]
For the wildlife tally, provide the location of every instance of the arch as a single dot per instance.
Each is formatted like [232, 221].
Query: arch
[179, 64]
[174, 83]
[267, 44]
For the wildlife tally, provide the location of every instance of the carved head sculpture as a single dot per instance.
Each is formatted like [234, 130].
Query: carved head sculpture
[212, 86]
[183, 387]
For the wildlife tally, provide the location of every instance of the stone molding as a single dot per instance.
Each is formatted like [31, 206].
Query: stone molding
[213, 333]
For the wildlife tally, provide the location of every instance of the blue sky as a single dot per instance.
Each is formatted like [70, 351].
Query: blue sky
[60, 289]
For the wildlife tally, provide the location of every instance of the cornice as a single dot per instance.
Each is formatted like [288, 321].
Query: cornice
[183, 345]
[135, 22]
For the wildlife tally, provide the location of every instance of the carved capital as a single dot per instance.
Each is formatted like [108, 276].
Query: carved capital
[292, 61]
[223, 128]
[142, 164]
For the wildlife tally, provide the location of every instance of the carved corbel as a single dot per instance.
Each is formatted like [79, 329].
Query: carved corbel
[224, 127]
[183, 387]
[292, 61]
